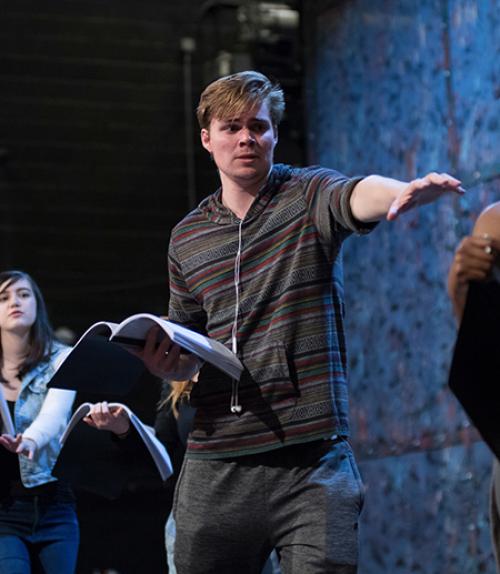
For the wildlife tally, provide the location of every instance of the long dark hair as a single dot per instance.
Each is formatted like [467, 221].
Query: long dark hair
[41, 335]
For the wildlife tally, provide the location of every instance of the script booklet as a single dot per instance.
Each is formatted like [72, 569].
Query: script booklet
[154, 446]
[8, 425]
[133, 330]
[103, 359]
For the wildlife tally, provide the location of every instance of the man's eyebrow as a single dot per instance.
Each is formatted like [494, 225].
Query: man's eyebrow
[252, 119]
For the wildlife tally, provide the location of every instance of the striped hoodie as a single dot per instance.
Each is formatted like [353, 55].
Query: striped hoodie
[273, 283]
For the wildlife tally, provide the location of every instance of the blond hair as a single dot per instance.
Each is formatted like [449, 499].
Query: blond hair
[228, 96]
[179, 391]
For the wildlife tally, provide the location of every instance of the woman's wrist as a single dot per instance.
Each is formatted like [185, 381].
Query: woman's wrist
[124, 434]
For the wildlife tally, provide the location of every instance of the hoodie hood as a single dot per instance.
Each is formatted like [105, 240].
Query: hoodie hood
[213, 208]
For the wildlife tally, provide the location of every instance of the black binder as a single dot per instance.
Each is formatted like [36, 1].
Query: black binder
[97, 365]
[475, 369]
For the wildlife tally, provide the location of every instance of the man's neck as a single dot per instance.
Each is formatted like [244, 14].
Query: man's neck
[239, 196]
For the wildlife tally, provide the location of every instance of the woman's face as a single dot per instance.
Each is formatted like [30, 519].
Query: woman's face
[17, 306]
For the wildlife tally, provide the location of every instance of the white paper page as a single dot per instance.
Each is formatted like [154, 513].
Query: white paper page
[8, 425]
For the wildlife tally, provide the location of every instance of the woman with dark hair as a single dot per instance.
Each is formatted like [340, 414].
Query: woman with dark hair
[38, 525]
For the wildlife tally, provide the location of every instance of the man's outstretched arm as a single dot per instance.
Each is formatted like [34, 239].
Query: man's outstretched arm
[377, 197]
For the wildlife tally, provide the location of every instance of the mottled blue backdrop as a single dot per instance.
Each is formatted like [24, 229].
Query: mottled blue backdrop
[401, 88]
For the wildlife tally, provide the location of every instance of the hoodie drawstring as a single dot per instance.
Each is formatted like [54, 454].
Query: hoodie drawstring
[235, 406]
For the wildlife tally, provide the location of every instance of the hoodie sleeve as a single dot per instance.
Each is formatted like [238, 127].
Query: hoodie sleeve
[183, 307]
[328, 194]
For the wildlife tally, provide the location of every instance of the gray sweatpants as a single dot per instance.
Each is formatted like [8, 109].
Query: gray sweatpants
[304, 500]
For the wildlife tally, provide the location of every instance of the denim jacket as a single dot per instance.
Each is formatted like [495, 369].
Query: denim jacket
[43, 425]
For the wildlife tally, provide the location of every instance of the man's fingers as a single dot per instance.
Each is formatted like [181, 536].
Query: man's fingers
[150, 343]
[164, 347]
[171, 358]
[399, 206]
[442, 179]
[449, 179]
[154, 353]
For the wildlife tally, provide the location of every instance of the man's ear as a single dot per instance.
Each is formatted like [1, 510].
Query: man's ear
[205, 140]
[275, 130]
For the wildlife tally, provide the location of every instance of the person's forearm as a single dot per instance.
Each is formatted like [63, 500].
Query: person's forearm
[457, 292]
[373, 196]
[52, 418]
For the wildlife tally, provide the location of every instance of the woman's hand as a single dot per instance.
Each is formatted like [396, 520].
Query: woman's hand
[474, 259]
[103, 417]
[19, 445]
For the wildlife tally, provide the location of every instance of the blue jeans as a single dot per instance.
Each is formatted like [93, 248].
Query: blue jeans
[169, 542]
[38, 535]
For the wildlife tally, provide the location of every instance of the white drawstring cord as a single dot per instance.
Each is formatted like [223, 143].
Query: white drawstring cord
[235, 406]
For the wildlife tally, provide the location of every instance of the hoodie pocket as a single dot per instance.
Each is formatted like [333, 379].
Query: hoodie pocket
[267, 384]
[269, 381]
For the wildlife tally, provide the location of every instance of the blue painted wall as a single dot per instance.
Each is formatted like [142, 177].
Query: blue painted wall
[401, 88]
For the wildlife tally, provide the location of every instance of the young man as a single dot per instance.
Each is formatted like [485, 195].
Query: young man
[258, 266]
